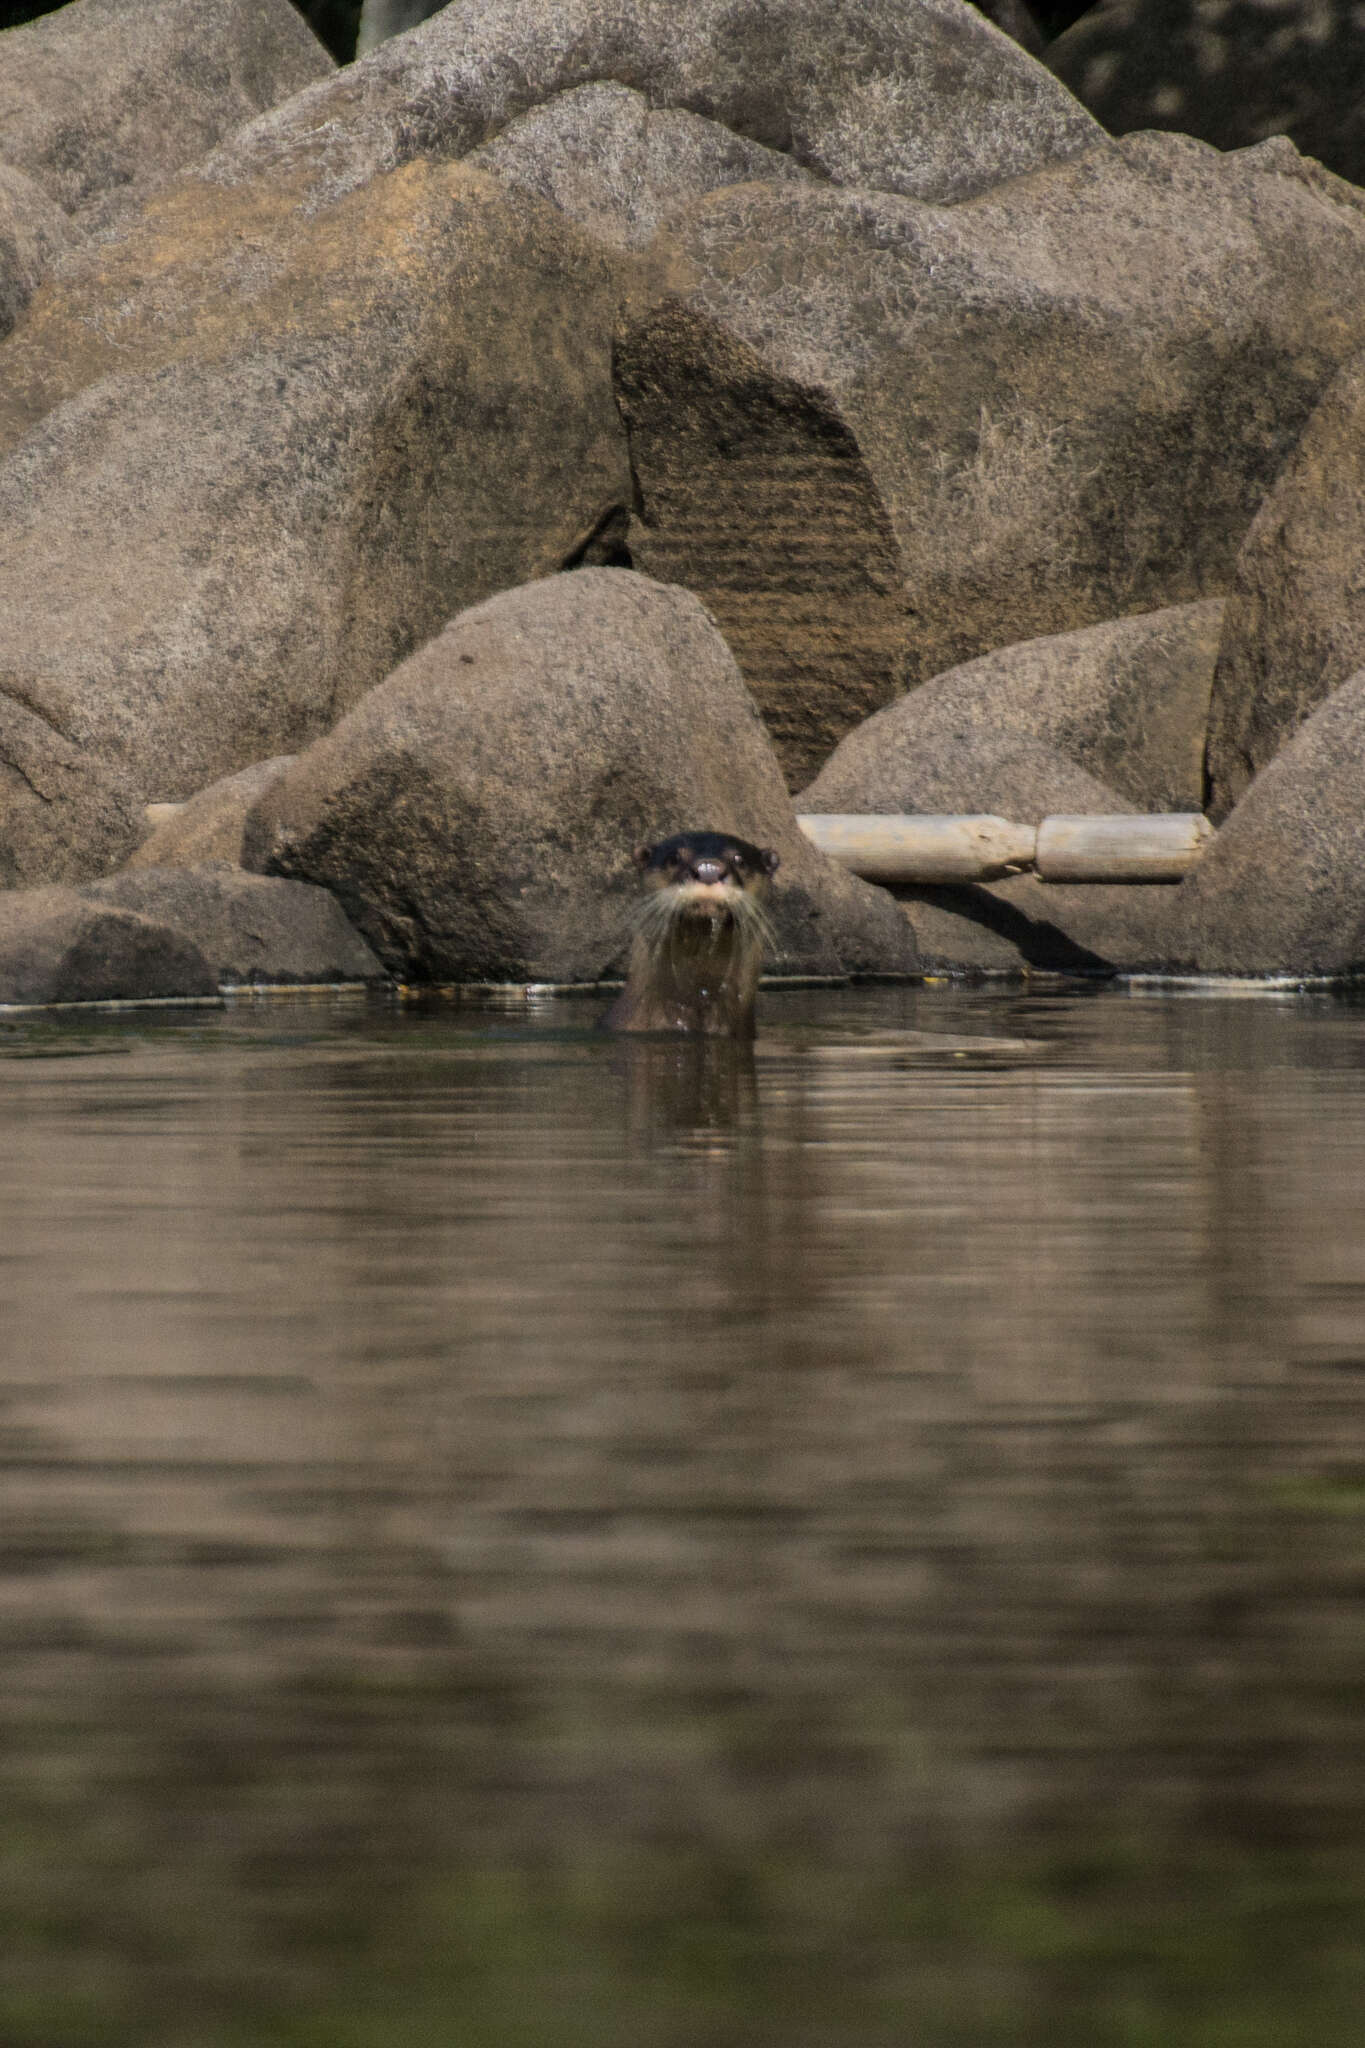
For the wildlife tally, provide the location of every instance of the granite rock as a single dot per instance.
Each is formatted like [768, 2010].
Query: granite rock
[1109, 718]
[274, 453]
[56, 946]
[476, 813]
[880, 438]
[1295, 625]
[252, 929]
[101, 100]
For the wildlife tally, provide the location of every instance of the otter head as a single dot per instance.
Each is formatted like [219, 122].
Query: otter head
[708, 870]
[699, 936]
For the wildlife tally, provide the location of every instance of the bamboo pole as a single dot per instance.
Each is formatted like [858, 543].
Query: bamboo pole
[920, 847]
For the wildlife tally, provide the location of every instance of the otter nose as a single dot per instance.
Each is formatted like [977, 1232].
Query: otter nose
[710, 871]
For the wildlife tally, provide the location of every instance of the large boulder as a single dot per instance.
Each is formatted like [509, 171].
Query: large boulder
[919, 96]
[476, 813]
[1295, 626]
[56, 946]
[879, 769]
[880, 438]
[206, 830]
[1021, 925]
[252, 929]
[333, 432]
[64, 815]
[1232, 77]
[1281, 888]
[102, 99]
[613, 163]
[1109, 718]
[33, 233]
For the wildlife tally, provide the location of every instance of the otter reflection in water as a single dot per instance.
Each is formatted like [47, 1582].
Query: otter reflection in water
[699, 937]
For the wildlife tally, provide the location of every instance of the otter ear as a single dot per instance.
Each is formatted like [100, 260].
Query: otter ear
[771, 861]
[642, 856]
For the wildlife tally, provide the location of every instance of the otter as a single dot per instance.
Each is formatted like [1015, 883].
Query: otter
[699, 937]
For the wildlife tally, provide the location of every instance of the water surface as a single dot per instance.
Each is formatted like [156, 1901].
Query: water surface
[510, 1536]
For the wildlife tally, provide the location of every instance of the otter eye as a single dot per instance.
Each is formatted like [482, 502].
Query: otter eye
[735, 859]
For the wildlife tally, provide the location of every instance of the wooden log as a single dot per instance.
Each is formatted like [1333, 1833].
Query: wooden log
[1158, 848]
[921, 847]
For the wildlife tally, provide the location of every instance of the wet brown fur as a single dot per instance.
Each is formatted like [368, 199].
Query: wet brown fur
[700, 937]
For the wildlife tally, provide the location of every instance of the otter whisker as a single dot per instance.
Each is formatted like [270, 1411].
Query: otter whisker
[697, 938]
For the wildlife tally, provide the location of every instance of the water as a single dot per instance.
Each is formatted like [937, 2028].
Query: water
[514, 1539]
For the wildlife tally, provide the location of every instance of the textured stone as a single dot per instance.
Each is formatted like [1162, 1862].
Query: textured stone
[1295, 626]
[1110, 718]
[64, 815]
[1281, 889]
[206, 831]
[475, 814]
[1230, 75]
[1020, 923]
[250, 928]
[334, 433]
[607, 159]
[880, 437]
[103, 99]
[920, 96]
[58, 947]
[33, 233]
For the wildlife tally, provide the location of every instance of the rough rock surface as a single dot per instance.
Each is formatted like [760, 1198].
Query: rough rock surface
[250, 928]
[475, 814]
[56, 946]
[64, 815]
[1280, 889]
[33, 233]
[206, 830]
[103, 99]
[337, 431]
[607, 159]
[1295, 626]
[1021, 923]
[1109, 718]
[1007, 774]
[879, 437]
[919, 96]
[1231, 75]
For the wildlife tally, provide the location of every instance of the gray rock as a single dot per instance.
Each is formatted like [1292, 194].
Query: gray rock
[56, 946]
[880, 438]
[339, 430]
[206, 830]
[1022, 924]
[1281, 889]
[1227, 75]
[921, 96]
[63, 814]
[1110, 718]
[1295, 626]
[475, 814]
[252, 929]
[603, 156]
[33, 233]
[105, 99]
[881, 767]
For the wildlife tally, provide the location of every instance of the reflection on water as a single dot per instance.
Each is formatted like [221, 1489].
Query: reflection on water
[512, 1537]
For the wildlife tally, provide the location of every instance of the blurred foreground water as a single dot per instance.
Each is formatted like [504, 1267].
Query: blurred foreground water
[514, 1539]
